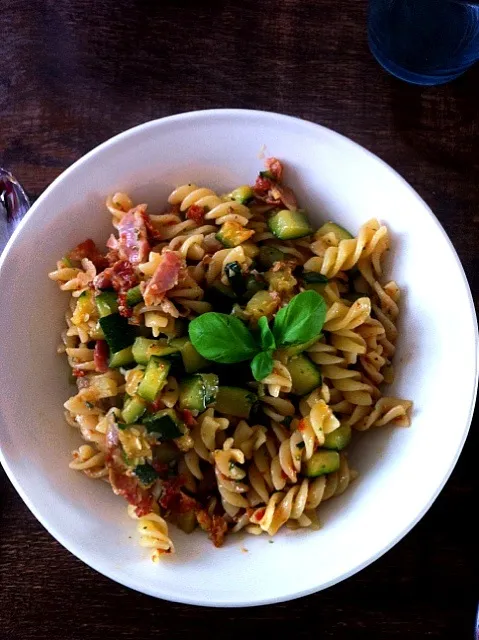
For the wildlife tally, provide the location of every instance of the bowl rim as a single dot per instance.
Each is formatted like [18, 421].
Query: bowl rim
[313, 127]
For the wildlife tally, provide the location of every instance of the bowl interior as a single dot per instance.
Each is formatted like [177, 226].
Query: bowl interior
[401, 470]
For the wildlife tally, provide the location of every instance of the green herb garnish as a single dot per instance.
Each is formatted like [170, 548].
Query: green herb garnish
[226, 339]
[301, 320]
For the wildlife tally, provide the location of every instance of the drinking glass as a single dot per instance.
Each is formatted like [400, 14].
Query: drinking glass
[425, 42]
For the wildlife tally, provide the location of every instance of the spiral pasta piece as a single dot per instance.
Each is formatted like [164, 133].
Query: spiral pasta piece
[205, 436]
[372, 241]
[153, 532]
[218, 210]
[279, 380]
[90, 461]
[229, 476]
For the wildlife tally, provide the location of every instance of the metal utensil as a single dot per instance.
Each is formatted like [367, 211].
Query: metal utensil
[14, 204]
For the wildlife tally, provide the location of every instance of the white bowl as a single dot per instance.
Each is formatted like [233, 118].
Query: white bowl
[401, 470]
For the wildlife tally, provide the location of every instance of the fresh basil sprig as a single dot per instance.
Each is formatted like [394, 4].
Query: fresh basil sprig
[225, 339]
[300, 320]
[262, 363]
[222, 338]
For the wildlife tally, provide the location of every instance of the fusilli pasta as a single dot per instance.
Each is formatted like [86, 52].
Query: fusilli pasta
[196, 442]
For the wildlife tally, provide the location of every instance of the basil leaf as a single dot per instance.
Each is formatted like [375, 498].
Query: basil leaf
[262, 365]
[222, 338]
[301, 320]
[267, 337]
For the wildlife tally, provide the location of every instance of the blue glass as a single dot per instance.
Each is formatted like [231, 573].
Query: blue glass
[424, 41]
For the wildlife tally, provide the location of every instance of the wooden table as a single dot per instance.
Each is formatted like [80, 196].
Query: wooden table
[75, 72]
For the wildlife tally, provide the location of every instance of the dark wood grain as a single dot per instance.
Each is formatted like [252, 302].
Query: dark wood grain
[75, 72]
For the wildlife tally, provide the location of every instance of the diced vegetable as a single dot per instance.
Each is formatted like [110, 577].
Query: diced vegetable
[261, 304]
[198, 391]
[133, 409]
[144, 348]
[156, 374]
[134, 296]
[242, 194]
[288, 225]
[211, 387]
[339, 438]
[165, 424]
[192, 360]
[321, 463]
[268, 256]
[97, 332]
[281, 281]
[235, 401]
[267, 175]
[85, 308]
[133, 439]
[118, 333]
[331, 227]
[304, 373]
[121, 358]
[236, 278]
[186, 521]
[106, 303]
[233, 234]
[146, 474]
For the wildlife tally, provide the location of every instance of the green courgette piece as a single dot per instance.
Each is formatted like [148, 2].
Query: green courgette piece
[118, 333]
[331, 227]
[192, 360]
[198, 391]
[145, 474]
[267, 175]
[268, 256]
[106, 303]
[164, 424]
[233, 234]
[134, 296]
[261, 304]
[235, 401]
[289, 225]
[321, 463]
[305, 375]
[156, 374]
[242, 194]
[236, 279]
[186, 521]
[121, 358]
[144, 348]
[338, 439]
[133, 409]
